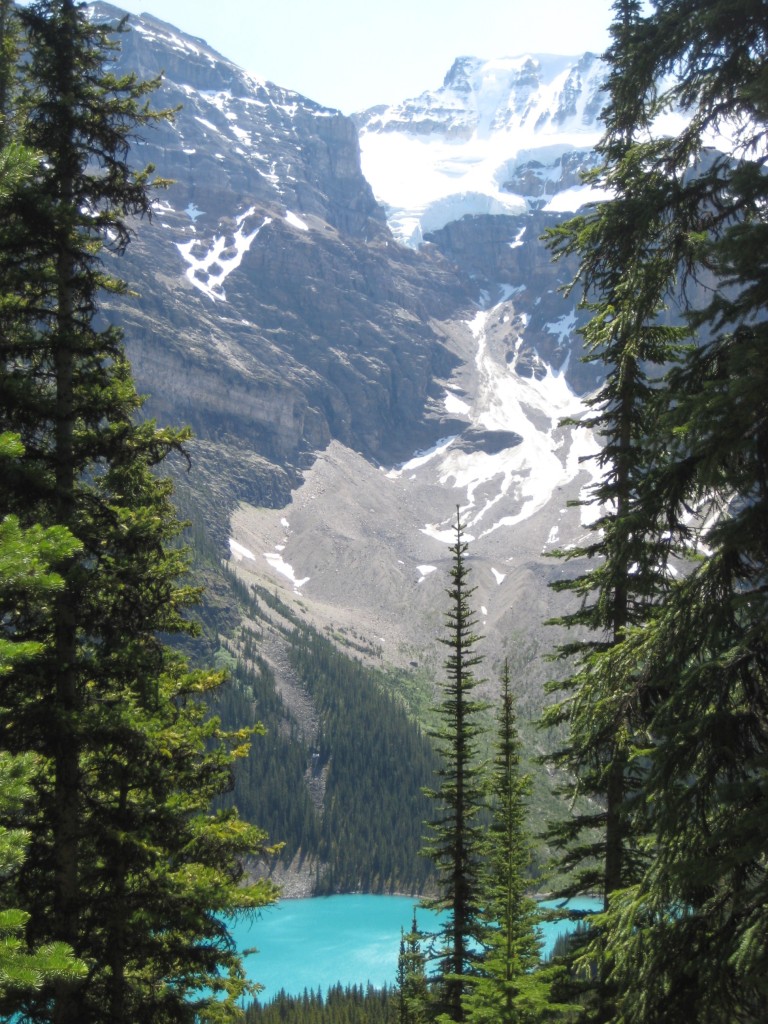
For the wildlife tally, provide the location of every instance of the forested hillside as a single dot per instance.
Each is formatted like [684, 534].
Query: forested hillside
[117, 876]
[338, 1006]
[339, 782]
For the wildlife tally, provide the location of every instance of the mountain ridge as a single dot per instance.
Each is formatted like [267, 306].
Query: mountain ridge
[283, 320]
[347, 392]
[505, 136]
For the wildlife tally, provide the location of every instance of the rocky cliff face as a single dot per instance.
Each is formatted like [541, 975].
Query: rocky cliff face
[348, 390]
[276, 312]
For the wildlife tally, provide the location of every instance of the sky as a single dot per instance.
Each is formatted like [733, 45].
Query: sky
[353, 54]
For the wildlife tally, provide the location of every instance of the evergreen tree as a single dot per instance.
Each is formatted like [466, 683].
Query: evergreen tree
[706, 648]
[25, 577]
[628, 268]
[511, 986]
[625, 294]
[125, 862]
[456, 835]
[412, 985]
[351, 1005]
[680, 940]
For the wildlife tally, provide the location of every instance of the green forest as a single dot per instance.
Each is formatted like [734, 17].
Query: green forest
[365, 834]
[144, 765]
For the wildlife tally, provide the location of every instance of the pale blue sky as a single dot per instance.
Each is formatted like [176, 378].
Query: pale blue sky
[352, 54]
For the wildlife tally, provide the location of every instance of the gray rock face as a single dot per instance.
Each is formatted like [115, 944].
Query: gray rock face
[276, 312]
[499, 251]
[539, 181]
[236, 138]
[336, 378]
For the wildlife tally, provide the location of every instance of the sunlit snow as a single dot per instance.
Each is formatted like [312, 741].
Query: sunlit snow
[572, 199]
[276, 561]
[225, 254]
[453, 404]
[296, 222]
[534, 468]
[525, 475]
[421, 458]
[514, 112]
[446, 534]
[208, 125]
[239, 551]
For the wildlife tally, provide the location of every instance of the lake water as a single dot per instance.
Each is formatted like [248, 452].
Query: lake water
[315, 943]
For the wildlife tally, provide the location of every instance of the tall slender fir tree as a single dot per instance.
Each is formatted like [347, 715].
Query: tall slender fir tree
[680, 938]
[126, 864]
[627, 278]
[700, 906]
[455, 833]
[511, 985]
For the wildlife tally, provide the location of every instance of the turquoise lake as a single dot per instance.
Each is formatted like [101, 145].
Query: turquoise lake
[315, 943]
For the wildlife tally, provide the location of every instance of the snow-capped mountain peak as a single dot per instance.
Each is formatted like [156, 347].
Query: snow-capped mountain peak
[528, 91]
[498, 136]
[347, 392]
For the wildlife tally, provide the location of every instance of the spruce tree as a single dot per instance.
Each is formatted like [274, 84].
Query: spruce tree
[627, 575]
[455, 838]
[412, 986]
[511, 985]
[627, 276]
[705, 649]
[680, 938]
[126, 863]
[25, 578]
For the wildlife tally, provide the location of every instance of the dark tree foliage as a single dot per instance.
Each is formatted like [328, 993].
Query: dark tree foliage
[413, 998]
[627, 558]
[270, 782]
[510, 986]
[26, 557]
[125, 862]
[455, 837]
[683, 938]
[375, 760]
[351, 1005]
[626, 275]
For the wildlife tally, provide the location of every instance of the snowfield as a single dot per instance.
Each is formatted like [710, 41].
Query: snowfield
[451, 153]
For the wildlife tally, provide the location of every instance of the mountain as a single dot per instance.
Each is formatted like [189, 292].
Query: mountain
[500, 137]
[340, 381]
[361, 324]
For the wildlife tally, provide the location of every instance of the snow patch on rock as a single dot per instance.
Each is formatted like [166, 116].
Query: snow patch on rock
[208, 272]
